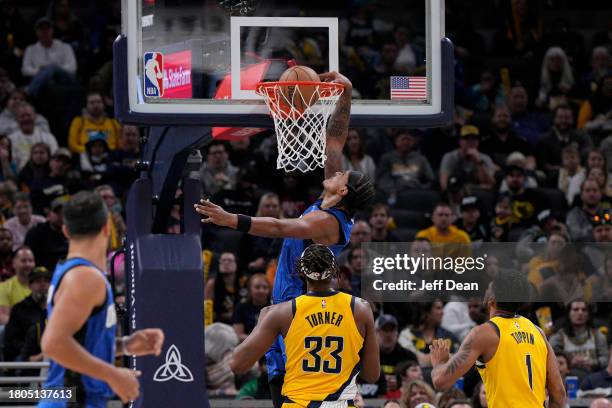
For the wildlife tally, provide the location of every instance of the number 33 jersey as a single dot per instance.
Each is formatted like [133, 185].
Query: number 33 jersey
[516, 375]
[323, 348]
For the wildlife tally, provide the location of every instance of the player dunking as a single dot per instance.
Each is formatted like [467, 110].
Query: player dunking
[329, 338]
[80, 334]
[328, 221]
[515, 361]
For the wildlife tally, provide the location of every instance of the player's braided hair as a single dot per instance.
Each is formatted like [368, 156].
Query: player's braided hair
[361, 192]
[317, 263]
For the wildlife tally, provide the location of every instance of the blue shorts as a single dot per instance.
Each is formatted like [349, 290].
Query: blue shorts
[276, 358]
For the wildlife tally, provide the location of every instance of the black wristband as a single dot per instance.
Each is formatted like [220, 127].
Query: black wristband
[244, 223]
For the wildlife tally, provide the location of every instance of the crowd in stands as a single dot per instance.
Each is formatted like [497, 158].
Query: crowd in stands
[50, 150]
[527, 160]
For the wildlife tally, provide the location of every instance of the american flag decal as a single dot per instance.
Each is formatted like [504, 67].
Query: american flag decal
[407, 87]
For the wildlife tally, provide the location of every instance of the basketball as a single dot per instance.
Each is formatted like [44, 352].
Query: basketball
[299, 96]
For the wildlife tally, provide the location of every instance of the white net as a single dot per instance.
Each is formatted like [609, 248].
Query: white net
[300, 116]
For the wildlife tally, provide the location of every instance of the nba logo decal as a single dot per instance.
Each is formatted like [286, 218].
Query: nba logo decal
[153, 74]
[323, 304]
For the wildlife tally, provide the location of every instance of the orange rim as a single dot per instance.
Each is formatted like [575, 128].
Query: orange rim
[326, 89]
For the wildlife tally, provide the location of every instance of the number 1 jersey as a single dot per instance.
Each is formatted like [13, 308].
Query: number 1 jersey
[323, 348]
[516, 375]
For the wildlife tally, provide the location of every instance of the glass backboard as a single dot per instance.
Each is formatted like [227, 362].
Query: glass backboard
[198, 61]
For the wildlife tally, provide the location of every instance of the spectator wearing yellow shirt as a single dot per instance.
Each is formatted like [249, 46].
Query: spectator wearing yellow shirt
[443, 232]
[15, 289]
[92, 121]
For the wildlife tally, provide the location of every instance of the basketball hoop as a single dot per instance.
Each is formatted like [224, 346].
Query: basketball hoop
[300, 111]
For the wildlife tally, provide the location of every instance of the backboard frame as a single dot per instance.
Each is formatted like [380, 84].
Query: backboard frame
[129, 106]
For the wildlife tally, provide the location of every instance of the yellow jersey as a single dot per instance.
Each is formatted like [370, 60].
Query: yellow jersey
[322, 346]
[454, 236]
[516, 375]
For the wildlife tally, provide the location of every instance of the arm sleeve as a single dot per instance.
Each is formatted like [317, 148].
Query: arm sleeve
[69, 63]
[445, 165]
[27, 67]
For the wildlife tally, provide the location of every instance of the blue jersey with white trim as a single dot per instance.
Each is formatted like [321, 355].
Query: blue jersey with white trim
[287, 283]
[97, 336]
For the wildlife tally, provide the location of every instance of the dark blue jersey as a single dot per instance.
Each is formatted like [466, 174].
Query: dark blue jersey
[287, 283]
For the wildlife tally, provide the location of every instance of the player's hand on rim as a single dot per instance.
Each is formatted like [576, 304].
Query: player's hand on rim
[337, 78]
[337, 127]
[215, 214]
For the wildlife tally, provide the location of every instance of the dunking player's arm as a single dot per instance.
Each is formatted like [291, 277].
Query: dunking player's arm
[319, 226]
[82, 290]
[337, 128]
[315, 225]
[276, 319]
[482, 342]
